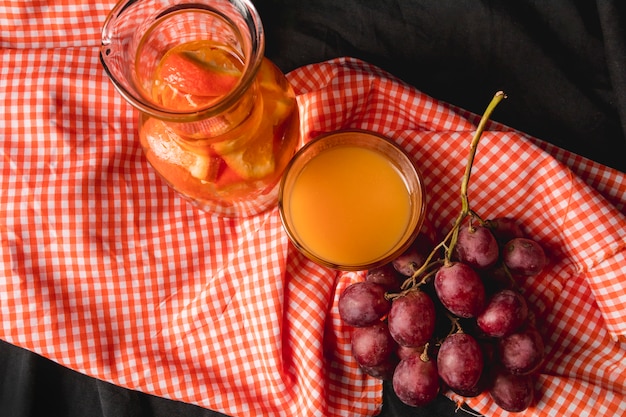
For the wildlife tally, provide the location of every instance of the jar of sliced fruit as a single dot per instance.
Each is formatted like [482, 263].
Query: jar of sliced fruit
[218, 121]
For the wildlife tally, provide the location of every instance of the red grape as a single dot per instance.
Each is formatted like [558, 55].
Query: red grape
[524, 256]
[384, 370]
[505, 312]
[414, 257]
[415, 381]
[460, 289]
[460, 362]
[480, 387]
[505, 228]
[363, 304]
[477, 247]
[412, 319]
[372, 345]
[387, 276]
[512, 393]
[521, 352]
[404, 352]
[497, 279]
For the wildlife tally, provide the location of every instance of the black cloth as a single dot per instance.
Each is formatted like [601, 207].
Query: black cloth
[32, 386]
[561, 62]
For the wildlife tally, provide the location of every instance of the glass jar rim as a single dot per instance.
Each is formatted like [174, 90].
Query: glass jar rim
[251, 67]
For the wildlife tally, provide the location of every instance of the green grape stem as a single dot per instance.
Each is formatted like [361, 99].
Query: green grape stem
[449, 242]
[456, 325]
[424, 355]
[466, 209]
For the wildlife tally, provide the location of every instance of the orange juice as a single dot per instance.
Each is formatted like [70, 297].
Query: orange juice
[349, 205]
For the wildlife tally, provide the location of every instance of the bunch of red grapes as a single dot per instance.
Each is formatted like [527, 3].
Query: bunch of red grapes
[452, 316]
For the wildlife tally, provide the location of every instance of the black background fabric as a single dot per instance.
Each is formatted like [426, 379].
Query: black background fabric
[32, 386]
[562, 64]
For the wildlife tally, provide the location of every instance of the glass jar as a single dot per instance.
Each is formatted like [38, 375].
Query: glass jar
[218, 121]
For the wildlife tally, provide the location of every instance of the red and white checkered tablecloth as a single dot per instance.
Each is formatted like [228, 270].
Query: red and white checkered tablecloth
[106, 270]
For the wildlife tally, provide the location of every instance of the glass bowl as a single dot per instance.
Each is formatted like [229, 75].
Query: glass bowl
[351, 200]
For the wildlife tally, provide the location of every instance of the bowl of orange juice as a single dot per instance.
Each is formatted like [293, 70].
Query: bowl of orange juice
[351, 200]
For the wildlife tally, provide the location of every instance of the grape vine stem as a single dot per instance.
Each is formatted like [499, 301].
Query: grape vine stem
[449, 242]
[465, 208]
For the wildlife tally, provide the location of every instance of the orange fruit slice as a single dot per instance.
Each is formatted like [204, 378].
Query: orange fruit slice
[194, 75]
[188, 74]
[201, 177]
[186, 171]
[173, 98]
[255, 160]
